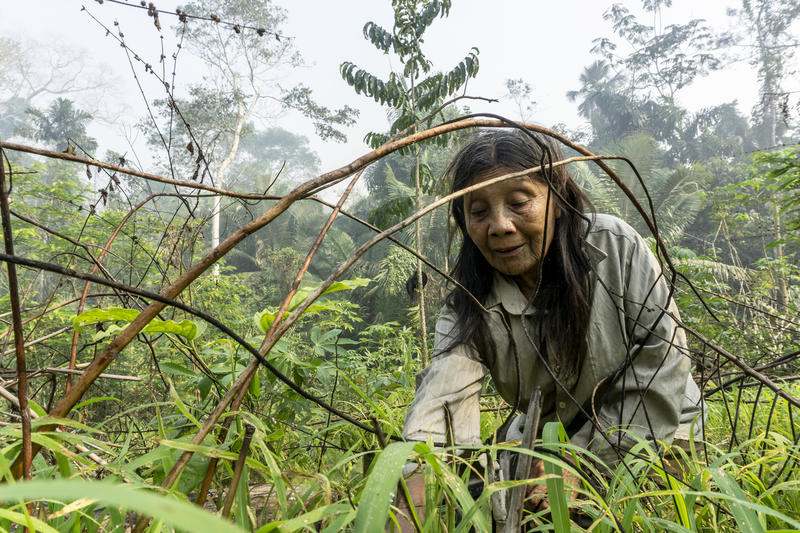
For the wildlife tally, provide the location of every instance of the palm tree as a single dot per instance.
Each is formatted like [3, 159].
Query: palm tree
[675, 194]
[610, 110]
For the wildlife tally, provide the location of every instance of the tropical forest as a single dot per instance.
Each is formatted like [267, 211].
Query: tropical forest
[229, 272]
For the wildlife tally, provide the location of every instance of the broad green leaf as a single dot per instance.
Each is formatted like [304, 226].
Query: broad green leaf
[186, 328]
[265, 318]
[111, 314]
[347, 284]
[255, 386]
[379, 491]
[174, 513]
[38, 409]
[168, 367]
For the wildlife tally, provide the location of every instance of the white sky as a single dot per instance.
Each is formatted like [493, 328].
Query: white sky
[546, 43]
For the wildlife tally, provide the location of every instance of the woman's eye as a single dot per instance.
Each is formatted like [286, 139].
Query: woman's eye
[519, 205]
[477, 212]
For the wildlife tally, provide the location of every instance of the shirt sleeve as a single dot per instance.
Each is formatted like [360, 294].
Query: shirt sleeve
[453, 381]
[644, 398]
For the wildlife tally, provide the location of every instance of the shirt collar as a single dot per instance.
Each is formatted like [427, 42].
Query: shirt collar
[505, 291]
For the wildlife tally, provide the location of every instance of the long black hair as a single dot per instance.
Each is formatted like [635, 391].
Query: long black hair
[564, 289]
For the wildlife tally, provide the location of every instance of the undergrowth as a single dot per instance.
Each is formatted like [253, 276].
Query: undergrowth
[743, 480]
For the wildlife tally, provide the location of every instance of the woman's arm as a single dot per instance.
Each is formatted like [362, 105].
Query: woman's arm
[448, 388]
[448, 391]
[644, 397]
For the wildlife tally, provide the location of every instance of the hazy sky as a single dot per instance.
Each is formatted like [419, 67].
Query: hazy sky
[547, 43]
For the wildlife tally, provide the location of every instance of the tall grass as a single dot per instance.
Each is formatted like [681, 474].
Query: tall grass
[752, 486]
[313, 473]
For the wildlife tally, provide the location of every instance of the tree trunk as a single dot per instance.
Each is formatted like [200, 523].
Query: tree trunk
[223, 172]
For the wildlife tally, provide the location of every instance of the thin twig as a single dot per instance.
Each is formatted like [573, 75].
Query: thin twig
[16, 319]
[132, 172]
[55, 370]
[41, 339]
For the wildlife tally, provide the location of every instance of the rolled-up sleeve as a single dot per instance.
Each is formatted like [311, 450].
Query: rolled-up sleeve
[451, 383]
[645, 397]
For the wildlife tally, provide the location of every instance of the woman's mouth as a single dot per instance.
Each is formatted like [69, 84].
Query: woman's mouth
[510, 250]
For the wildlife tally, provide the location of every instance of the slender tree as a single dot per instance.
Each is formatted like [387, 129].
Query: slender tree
[242, 62]
[627, 92]
[770, 23]
[411, 94]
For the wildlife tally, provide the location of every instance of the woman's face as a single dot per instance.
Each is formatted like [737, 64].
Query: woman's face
[506, 221]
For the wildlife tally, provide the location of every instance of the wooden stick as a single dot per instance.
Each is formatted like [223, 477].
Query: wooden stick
[237, 471]
[524, 461]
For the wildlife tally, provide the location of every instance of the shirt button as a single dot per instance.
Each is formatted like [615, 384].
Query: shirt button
[562, 405]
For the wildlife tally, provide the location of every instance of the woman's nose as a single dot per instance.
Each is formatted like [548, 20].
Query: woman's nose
[500, 223]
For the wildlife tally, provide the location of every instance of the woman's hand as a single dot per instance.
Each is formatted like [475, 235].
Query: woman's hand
[536, 495]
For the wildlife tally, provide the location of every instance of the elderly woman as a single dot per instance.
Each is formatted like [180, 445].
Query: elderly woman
[569, 301]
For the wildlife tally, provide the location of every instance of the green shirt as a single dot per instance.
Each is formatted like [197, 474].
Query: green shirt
[656, 384]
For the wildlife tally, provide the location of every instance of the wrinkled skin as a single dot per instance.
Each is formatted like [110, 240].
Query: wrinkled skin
[506, 221]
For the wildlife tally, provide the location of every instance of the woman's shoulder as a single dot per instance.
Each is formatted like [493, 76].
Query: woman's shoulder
[602, 222]
[609, 230]
[610, 236]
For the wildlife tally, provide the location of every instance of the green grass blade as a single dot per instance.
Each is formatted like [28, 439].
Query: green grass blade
[556, 496]
[25, 520]
[381, 485]
[681, 510]
[339, 524]
[243, 501]
[746, 518]
[306, 521]
[182, 406]
[458, 488]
